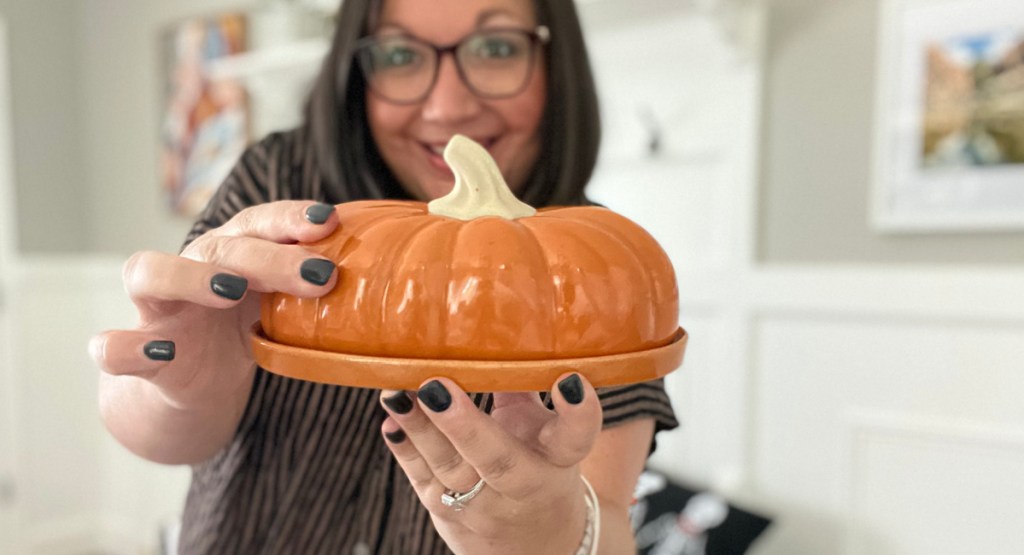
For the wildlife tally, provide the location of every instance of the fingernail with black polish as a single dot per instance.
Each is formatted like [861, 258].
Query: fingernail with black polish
[159, 350]
[435, 396]
[229, 286]
[317, 270]
[318, 213]
[397, 436]
[572, 389]
[399, 403]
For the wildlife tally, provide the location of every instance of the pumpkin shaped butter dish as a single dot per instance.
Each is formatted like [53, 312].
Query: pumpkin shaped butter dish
[481, 288]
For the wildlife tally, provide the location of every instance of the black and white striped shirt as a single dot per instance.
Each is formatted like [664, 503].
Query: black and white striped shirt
[307, 470]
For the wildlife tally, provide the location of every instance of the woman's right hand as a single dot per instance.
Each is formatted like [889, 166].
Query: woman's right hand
[196, 309]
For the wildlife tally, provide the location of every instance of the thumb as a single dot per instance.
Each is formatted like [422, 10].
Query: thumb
[567, 439]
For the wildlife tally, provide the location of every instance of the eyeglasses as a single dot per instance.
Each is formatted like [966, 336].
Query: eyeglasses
[493, 63]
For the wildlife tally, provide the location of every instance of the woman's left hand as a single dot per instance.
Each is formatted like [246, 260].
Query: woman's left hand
[532, 500]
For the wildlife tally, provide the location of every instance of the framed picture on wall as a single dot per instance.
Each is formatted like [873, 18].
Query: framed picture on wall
[950, 116]
[205, 123]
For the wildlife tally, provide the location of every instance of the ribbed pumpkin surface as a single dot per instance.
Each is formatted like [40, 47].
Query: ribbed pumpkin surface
[564, 283]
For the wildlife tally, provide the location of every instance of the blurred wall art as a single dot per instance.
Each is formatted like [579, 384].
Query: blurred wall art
[951, 115]
[206, 121]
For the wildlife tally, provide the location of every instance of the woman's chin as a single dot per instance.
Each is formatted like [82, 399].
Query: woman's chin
[427, 190]
[439, 191]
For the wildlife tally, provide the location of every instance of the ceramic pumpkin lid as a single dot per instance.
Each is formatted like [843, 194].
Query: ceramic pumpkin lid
[481, 288]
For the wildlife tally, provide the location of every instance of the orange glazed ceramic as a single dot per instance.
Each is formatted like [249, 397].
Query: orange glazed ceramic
[506, 300]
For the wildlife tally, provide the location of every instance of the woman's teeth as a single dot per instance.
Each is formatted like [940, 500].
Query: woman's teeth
[438, 149]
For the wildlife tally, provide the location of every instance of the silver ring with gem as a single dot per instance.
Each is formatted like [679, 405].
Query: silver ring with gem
[456, 500]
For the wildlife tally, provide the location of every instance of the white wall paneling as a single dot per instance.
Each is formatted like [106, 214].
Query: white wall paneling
[918, 472]
[829, 471]
[845, 380]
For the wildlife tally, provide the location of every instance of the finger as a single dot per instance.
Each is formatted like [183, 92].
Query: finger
[408, 457]
[444, 461]
[269, 266]
[522, 415]
[497, 457]
[129, 352]
[157, 276]
[567, 439]
[504, 400]
[423, 481]
[287, 221]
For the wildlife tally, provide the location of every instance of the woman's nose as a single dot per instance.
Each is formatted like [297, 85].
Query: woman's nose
[450, 100]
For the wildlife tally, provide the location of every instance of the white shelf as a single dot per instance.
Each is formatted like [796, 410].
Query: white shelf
[305, 56]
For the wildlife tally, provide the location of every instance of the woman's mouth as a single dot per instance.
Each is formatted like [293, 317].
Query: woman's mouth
[435, 152]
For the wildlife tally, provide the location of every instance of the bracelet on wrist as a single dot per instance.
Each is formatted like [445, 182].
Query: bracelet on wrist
[592, 527]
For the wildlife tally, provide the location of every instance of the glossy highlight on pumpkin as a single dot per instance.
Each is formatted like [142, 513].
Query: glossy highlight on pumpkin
[568, 282]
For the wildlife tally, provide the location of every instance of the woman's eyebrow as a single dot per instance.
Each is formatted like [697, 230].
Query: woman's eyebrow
[487, 14]
[391, 27]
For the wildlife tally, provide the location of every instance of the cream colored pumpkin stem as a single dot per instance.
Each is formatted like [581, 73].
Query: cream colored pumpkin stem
[480, 190]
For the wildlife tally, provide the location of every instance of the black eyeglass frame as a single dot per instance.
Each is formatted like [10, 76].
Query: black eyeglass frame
[539, 36]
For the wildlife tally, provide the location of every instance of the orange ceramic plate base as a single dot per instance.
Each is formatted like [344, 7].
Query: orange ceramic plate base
[471, 375]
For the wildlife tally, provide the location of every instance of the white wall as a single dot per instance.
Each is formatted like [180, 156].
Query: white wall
[819, 102]
[121, 69]
[43, 37]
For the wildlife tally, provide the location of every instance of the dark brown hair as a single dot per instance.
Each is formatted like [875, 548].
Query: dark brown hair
[570, 130]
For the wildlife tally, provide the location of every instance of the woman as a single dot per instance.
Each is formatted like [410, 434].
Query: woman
[284, 466]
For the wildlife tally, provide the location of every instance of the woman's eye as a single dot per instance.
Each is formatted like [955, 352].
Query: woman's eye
[492, 47]
[396, 56]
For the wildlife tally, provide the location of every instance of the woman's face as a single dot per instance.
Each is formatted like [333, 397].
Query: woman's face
[411, 137]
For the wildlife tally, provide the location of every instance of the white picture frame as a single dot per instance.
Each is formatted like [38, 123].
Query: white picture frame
[934, 180]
